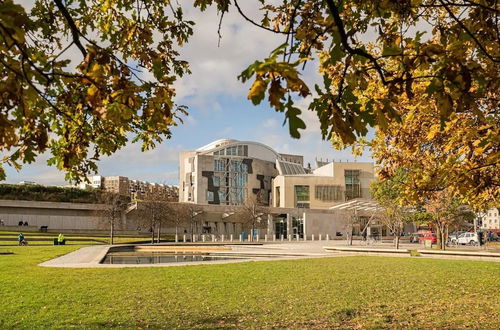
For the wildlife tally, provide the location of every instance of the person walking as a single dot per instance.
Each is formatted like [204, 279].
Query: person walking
[60, 239]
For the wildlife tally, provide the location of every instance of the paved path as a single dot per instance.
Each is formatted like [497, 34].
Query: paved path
[90, 257]
[84, 257]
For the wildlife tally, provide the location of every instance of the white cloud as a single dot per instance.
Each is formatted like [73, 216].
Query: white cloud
[270, 123]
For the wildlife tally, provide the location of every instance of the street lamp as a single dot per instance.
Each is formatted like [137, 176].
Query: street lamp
[193, 215]
[226, 215]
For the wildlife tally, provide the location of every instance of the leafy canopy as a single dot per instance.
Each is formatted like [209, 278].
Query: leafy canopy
[379, 61]
[425, 73]
[88, 106]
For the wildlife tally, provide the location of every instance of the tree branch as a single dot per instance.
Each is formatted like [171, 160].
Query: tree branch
[334, 11]
[74, 30]
[459, 22]
[256, 24]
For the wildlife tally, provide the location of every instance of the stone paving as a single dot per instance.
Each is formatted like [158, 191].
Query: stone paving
[90, 257]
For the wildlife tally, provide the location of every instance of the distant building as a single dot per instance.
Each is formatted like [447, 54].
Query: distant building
[491, 219]
[27, 183]
[134, 188]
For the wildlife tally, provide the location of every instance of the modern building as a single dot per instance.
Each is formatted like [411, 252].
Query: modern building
[330, 184]
[227, 171]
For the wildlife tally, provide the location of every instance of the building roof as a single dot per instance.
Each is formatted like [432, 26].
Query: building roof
[255, 149]
[288, 168]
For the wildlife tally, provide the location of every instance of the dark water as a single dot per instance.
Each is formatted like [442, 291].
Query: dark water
[158, 258]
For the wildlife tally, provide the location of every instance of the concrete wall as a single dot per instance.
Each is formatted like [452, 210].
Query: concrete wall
[62, 216]
[317, 223]
[222, 220]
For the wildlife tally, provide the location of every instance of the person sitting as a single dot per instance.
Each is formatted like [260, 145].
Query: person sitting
[25, 223]
[21, 240]
[60, 239]
[2, 223]
[20, 223]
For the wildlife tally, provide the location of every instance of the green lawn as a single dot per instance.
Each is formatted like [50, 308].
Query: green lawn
[353, 292]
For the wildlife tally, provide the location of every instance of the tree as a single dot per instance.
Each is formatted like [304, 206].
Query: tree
[179, 215]
[395, 212]
[445, 209]
[460, 155]
[375, 58]
[253, 213]
[83, 108]
[350, 219]
[111, 214]
[156, 212]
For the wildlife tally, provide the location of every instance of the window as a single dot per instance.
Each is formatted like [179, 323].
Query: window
[219, 165]
[302, 193]
[352, 184]
[231, 151]
[328, 193]
[210, 196]
[216, 181]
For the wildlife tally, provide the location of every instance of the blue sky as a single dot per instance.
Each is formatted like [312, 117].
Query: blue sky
[218, 108]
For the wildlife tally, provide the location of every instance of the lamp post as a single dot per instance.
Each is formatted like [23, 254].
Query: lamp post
[193, 215]
[224, 216]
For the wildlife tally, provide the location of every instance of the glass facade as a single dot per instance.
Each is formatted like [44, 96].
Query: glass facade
[302, 197]
[231, 176]
[239, 150]
[352, 184]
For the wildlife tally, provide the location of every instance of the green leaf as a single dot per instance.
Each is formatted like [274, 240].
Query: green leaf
[294, 122]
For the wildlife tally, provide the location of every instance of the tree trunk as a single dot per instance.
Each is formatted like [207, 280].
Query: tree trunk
[152, 234]
[112, 234]
[397, 241]
[442, 237]
[159, 233]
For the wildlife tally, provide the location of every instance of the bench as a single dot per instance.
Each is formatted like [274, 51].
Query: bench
[43, 229]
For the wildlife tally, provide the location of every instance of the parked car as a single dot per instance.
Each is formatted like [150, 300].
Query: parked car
[467, 238]
[414, 238]
[426, 237]
[453, 237]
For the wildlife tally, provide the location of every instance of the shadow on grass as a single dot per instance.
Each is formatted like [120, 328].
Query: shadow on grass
[208, 322]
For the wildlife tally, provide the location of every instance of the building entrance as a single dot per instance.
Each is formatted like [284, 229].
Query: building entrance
[298, 227]
[280, 228]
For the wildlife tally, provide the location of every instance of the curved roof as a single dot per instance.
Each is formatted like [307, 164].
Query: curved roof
[256, 149]
[216, 144]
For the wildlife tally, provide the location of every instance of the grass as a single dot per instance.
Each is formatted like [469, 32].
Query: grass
[351, 292]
